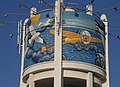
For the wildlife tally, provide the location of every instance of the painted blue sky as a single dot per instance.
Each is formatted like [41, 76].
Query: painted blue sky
[10, 59]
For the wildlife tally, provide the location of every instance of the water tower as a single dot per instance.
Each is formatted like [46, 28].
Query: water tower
[64, 47]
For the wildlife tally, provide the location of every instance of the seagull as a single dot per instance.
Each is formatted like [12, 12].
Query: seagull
[35, 36]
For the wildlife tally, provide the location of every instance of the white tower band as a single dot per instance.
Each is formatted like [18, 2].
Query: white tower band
[64, 50]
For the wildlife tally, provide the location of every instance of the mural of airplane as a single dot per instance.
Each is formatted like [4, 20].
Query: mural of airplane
[71, 37]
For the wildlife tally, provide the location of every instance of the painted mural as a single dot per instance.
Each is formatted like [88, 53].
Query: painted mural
[83, 39]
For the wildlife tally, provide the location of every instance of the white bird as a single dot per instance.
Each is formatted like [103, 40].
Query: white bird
[35, 36]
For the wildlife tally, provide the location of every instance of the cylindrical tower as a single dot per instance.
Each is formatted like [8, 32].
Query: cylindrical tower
[83, 44]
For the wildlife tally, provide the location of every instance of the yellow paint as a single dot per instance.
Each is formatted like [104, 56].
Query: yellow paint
[71, 37]
[35, 18]
[68, 34]
[96, 40]
[72, 40]
[43, 49]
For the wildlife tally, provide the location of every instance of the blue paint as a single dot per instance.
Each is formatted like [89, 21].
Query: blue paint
[92, 53]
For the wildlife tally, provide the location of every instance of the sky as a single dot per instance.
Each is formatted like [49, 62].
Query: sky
[10, 59]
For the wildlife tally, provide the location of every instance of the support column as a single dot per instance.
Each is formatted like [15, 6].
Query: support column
[90, 79]
[58, 73]
[23, 54]
[105, 21]
[31, 81]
